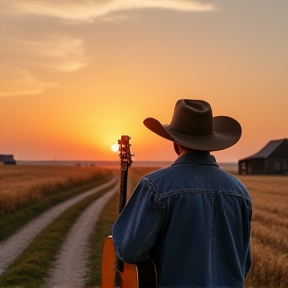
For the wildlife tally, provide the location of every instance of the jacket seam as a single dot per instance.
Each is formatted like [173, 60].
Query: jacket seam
[152, 190]
[201, 191]
[157, 224]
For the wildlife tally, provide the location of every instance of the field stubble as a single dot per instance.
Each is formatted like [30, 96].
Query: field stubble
[269, 230]
[269, 227]
[22, 185]
[270, 214]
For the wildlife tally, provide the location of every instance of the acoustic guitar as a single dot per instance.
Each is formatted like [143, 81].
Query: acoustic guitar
[116, 273]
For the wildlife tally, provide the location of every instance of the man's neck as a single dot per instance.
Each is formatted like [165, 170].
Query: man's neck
[191, 151]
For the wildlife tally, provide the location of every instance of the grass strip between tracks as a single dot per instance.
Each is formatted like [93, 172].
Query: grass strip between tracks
[10, 223]
[32, 266]
[102, 230]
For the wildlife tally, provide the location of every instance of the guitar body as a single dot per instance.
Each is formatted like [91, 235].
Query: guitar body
[140, 275]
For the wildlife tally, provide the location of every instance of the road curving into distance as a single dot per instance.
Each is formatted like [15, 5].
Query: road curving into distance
[14, 245]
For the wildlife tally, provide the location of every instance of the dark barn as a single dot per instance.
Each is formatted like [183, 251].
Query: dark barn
[271, 160]
[7, 159]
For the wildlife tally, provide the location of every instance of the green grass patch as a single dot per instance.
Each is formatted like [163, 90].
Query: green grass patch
[32, 266]
[11, 222]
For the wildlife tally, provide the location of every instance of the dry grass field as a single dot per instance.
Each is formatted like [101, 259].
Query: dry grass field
[22, 185]
[269, 230]
[269, 227]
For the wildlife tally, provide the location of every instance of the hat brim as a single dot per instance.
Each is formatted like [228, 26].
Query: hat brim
[227, 132]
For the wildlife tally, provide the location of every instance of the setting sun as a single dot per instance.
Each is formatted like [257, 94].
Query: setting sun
[61, 98]
[115, 147]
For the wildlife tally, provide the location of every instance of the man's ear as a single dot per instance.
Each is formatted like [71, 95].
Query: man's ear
[177, 148]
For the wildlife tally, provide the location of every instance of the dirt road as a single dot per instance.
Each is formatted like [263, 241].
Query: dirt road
[70, 268]
[14, 245]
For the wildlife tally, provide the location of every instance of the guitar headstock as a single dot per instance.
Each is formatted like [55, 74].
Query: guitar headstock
[124, 152]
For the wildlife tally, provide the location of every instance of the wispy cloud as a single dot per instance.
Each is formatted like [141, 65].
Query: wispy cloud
[57, 52]
[88, 10]
[119, 18]
[33, 49]
[19, 82]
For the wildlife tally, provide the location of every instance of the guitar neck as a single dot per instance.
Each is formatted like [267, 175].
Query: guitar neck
[125, 156]
[122, 202]
[123, 189]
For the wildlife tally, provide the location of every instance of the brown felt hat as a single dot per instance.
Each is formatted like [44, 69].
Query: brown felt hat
[193, 126]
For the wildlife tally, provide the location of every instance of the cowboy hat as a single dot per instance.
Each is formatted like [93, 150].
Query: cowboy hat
[193, 126]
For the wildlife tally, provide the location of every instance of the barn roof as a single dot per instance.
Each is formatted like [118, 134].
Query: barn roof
[267, 150]
[7, 159]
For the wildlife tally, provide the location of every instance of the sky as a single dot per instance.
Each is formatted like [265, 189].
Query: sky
[76, 75]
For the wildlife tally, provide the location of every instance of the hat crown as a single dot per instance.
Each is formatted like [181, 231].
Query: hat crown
[192, 117]
[193, 126]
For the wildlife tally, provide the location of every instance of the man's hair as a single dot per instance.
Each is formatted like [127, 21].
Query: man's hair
[189, 150]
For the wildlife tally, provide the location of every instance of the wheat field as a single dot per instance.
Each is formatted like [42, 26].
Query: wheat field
[21, 185]
[269, 230]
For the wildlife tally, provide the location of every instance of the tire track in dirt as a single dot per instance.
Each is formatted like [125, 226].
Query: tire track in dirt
[14, 245]
[70, 267]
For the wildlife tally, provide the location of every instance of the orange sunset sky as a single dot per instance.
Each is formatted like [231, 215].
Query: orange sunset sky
[76, 75]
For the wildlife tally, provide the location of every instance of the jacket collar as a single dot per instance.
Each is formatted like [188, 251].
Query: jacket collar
[195, 158]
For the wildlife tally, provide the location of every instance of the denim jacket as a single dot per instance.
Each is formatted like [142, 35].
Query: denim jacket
[193, 219]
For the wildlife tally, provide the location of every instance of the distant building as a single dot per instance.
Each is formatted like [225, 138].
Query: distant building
[7, 159]
[271, 160]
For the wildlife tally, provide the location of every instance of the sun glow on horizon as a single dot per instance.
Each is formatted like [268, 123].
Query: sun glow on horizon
[115, 147]
[73, 80]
